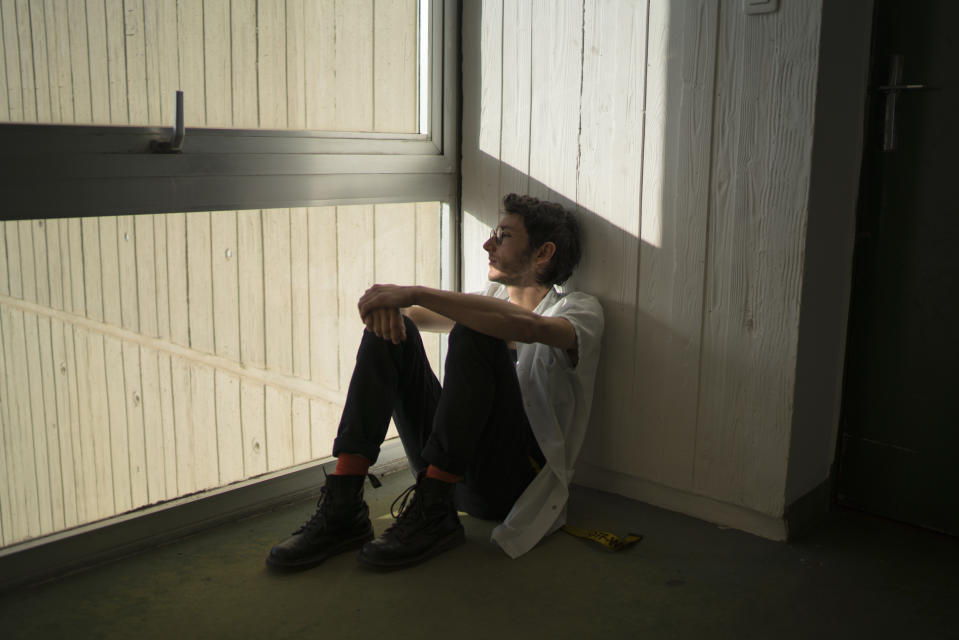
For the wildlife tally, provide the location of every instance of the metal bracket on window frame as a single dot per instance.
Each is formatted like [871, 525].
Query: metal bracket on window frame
[175, 143]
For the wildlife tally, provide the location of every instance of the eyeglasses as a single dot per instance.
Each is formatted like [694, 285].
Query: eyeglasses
[496, 234]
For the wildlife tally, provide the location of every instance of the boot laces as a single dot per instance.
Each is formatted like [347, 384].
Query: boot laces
[318, 519]
[410, 506]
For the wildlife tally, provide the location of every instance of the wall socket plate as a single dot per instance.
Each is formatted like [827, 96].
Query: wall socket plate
[753, 7]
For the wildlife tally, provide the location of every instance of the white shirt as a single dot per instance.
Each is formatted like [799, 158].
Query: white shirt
[558, 396]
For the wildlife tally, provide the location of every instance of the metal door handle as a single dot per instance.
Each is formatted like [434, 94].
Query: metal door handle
[892, 91]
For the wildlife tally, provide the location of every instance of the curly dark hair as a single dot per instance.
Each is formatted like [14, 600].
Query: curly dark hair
[548, 222]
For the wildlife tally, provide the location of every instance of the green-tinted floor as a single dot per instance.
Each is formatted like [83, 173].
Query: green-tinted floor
[854, 577]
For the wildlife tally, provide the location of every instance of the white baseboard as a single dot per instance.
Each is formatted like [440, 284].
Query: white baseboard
[721, 513]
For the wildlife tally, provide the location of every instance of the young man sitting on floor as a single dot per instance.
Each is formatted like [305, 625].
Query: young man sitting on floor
[520, 367]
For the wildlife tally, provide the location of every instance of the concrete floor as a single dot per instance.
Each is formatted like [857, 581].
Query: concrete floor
[853, 577]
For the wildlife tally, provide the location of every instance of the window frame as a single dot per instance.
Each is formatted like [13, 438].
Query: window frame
[55, 170]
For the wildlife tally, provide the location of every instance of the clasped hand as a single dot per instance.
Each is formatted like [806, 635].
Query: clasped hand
[380, 310]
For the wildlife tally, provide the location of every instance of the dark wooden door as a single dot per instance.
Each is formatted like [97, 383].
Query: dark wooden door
[900, 422]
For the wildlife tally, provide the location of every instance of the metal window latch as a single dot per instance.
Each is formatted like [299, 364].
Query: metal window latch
[892, 91]
[175, 143]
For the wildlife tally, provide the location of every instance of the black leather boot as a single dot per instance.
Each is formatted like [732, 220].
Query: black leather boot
[341, 523]
[426, 525]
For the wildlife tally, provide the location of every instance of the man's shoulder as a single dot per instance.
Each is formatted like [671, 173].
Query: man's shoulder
[576, 301]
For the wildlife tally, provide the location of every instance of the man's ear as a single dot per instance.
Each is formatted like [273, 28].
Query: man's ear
[545, 252]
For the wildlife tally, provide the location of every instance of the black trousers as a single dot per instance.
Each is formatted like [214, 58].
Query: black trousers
[474, 426]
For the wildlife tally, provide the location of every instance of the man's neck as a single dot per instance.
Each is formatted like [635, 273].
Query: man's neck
[527, 297]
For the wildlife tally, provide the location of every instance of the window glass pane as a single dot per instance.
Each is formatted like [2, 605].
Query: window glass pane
[143, 358]
[270, 64]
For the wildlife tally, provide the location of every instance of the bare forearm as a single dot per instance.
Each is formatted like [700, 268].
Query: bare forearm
[494, 317]
[426, 320]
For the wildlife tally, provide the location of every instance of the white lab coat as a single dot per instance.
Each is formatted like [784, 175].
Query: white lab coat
[558, 397]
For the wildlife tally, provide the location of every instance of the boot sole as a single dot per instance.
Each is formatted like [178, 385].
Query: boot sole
[317, 559]
[451, 541]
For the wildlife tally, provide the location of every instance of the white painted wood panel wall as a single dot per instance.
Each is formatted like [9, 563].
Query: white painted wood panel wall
[146, 357]
[681, 131]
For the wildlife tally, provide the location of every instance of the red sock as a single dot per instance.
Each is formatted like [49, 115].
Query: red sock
[438, 474]
[351, 464]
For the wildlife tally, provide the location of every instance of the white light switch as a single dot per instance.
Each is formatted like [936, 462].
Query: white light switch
[751, 7]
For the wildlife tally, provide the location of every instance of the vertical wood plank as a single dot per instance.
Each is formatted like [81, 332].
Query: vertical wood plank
[250, 266]
[191, 64]
[162, 262]
[37, 425]
[11, 55]
[354, 230]
[556, 68]
[41, 262]
[162, 59]
[27, 81]
[138, 99]
[117, 63]
[229, 433]
[28, 267]
[243, 69]
[99, 70]
[609, 194]
[755, 253]
[97, 437]
[51, 424]
[279, 428]
[6, 439]
[66, 420]
[200, 281]
[54, 259]
[204, 418]
[295, 39]
[146, 276]
[427, 265]
[116, 418]
[61, 78]
[92, 284]
[23, 503]
[302, 429]
[171, 463]
[482, 106]
[79, 62]
[217, 63]
[353, 85]
[176, 269]
[679, 112]
[84, 459]
[300, 292]
[226, 285]
[4, 97]
[127, 271]
[319, 64]
[182, 401]
[271, 63]
[514, 143]
[277, 283]
[41, 67]
[153, 428]
[395, 68]
[324, 361]
[4, 273]
[324, 420]
[253, 415]
[110, 271]
[136, 445]
[12, 237]
[78, 303]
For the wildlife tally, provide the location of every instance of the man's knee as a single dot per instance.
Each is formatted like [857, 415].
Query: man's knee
[463, 334]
